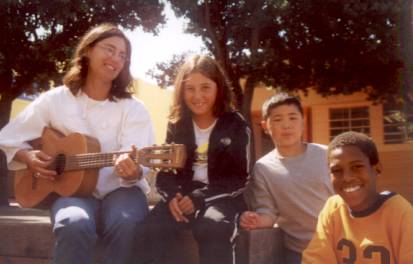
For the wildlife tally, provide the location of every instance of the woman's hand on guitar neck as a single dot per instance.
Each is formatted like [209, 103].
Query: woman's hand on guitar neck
[37, 162]
[126, 168]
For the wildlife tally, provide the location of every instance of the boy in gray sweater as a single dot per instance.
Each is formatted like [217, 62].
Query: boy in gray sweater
[291, 183]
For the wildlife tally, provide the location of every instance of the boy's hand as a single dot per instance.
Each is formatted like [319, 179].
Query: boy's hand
[176, 210]
[252, 220]
[249, 220]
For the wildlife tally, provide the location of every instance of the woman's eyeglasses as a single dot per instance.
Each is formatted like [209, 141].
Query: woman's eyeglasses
[111, 51]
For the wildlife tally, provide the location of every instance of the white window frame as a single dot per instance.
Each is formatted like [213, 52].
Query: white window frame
[351, 121]
[397, 126]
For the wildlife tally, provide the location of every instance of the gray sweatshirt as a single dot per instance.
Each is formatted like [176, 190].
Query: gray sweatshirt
[292, 190]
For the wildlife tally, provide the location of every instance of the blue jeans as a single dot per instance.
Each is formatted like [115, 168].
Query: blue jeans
[292, 257]
[79, 222]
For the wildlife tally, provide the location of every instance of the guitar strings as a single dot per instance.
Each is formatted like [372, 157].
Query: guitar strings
[90, 160]
[96, 160]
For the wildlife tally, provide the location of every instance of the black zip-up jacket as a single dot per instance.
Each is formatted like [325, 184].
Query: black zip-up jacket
[228, 161]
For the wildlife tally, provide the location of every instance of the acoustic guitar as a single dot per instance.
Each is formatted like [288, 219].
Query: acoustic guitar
[77, 159]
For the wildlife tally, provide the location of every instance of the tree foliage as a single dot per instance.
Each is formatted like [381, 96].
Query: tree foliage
[165, 72]
[332, 46]
[39, 36]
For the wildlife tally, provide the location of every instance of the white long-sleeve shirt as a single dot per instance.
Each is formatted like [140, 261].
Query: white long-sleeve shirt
[115, 124]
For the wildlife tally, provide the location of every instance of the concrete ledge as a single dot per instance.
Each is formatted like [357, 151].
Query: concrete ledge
[25, 233]
[26, 238]
[17, 260]
[260, 246]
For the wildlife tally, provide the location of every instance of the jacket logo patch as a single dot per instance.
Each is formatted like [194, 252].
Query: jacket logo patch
[226, 141]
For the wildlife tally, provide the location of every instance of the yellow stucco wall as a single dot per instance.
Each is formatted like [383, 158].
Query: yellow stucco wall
[158, 102]
[17, 106]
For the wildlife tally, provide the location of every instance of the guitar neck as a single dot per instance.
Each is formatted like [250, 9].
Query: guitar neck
[92, 160]
[159, 157]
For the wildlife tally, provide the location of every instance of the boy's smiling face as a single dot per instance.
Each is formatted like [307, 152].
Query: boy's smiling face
[353, 177]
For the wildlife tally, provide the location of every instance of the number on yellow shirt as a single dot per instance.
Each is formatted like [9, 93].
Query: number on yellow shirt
[368, 252]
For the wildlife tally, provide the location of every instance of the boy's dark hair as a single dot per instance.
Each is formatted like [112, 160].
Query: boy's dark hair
[359, 140]
[280, 99]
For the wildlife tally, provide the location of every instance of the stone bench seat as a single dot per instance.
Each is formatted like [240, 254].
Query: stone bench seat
[26, 238]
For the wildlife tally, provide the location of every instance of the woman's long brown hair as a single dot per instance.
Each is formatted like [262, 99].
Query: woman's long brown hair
[75, 77]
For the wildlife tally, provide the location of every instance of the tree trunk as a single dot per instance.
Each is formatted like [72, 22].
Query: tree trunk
[7, 95]
[247, 99]
[5, 109]
[238, 96]
[409, 67]
[406, 41]
[246, 108]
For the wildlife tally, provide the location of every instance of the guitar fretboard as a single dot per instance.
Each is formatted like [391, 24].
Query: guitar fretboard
[91, 160]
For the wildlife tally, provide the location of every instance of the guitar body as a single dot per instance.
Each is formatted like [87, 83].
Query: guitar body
[77, 159]
[30, 191]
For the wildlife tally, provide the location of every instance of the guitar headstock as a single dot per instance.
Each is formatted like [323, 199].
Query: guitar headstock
[164, 157]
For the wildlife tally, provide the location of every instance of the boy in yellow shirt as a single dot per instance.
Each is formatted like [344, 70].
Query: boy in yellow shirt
[360, 225]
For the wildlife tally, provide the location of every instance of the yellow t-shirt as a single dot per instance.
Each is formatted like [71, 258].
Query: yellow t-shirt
[384, 236]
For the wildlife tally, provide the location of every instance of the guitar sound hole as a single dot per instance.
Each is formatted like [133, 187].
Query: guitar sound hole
[60, 162]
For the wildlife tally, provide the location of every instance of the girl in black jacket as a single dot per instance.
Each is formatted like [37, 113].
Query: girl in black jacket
[206, 194]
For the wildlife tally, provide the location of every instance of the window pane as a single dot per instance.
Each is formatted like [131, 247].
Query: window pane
[342, 113]
[335, 132]
[360, 122]
[392, 139]
[349, 119]
[344, 123]
[409, 127]
[393, 129]
[365, 130]
[397, 124]
[359, 112]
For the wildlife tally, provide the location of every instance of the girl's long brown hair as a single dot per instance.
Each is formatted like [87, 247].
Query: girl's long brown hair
[75, 77]
[212, 70]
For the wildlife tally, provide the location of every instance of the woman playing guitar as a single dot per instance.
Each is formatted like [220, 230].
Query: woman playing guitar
[95, 100]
